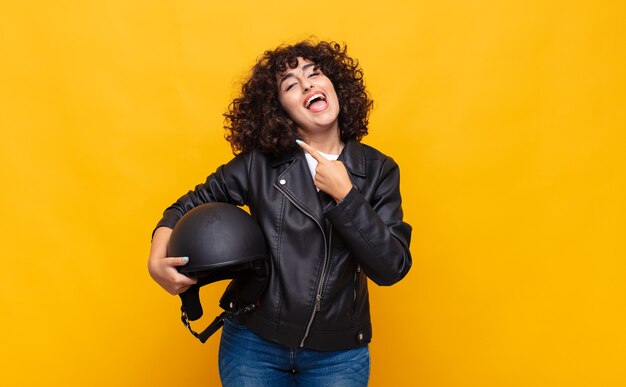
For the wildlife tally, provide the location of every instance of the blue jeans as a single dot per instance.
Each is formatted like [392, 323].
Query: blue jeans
[247, 360]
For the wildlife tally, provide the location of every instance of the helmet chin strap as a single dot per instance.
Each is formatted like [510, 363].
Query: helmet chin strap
[215, 325]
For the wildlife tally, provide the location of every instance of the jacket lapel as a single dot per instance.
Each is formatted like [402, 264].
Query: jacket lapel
[296, 182]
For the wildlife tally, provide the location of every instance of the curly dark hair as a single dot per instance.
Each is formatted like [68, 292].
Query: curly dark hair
[256, 118]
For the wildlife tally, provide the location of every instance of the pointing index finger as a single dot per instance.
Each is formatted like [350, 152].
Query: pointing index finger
[312, 151]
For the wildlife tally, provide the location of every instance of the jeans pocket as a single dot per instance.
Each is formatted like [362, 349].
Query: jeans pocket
[232, 322]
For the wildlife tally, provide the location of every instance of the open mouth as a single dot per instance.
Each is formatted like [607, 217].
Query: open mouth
[316, 102]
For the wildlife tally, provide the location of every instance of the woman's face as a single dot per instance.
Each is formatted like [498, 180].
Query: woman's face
[309, 98]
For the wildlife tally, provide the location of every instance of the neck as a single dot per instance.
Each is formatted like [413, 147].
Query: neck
[328, 143]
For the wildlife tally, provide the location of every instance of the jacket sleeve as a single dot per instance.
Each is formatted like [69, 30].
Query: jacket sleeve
[374, 232]
[229, 183]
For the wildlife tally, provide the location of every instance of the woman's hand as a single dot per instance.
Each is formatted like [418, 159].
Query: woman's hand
[163, 269]
[331, 176]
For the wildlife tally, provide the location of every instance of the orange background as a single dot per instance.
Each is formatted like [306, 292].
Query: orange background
[507, 119]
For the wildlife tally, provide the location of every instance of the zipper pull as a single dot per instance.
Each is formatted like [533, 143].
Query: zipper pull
[318, 300]
[358, 268]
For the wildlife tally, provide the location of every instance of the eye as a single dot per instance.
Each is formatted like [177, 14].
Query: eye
[290, 86]
[314, 74]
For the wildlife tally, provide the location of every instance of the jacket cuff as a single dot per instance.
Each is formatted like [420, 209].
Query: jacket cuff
[163, 223]
[333, 210]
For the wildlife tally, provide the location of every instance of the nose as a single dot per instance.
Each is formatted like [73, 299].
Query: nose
[307, 87]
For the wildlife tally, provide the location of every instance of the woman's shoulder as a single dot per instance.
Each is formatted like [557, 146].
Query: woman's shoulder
[373, 154]
[257, 158]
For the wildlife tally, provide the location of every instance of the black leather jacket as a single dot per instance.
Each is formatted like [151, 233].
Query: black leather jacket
[321, 252]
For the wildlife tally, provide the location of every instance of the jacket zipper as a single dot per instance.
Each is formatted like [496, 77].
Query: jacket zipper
[357, 276]
[320, 287]
[318, 294]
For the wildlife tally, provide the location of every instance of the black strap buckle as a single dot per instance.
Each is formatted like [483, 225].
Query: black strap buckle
[215, 325]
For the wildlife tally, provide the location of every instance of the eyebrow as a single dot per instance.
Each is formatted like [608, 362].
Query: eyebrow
[290, 74]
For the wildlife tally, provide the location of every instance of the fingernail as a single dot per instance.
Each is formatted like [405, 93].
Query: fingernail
[298, 141]
[185, 259]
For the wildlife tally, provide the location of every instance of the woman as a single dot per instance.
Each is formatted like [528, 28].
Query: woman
[330, 209]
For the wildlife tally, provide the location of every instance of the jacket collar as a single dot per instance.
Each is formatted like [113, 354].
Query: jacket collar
[352, 156]
[295, 180]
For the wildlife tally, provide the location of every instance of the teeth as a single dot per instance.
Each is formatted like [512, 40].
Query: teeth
[314, 97]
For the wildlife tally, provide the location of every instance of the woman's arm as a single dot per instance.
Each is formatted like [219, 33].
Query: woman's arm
[375, 232]
[228, 184]
[163, 268]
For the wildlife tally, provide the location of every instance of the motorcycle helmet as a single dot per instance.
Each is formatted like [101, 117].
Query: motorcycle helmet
[222, 242]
